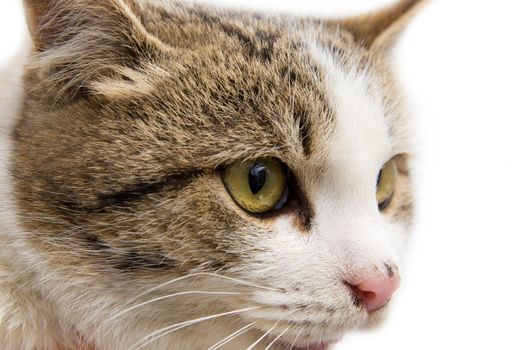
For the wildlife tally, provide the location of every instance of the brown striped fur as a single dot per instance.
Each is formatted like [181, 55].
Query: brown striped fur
[130, 110]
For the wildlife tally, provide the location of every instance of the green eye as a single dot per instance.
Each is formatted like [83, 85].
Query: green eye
[386, 184]
[258, 186]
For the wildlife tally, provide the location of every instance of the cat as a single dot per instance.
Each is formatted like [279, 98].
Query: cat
[176, 176]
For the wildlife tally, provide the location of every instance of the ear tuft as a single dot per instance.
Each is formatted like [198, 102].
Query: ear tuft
[78, 43]
[54, 22]
[38, 13]
[379, 30]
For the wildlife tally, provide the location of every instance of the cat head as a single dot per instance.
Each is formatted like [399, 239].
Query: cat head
[175, 162]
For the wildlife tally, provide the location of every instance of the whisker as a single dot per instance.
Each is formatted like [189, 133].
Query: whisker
[169, 329]
[280, 335]
[263, 336]
[243, 282]
[170, 296]
[198, 274]
[296, 337]
[231, 337]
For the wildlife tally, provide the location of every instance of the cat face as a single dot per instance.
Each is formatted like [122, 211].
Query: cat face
[144, 129]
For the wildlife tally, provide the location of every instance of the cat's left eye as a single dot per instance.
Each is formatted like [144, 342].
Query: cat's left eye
[258, 186]
[386, 183]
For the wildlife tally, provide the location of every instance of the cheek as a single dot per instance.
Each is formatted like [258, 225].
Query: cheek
[294, 261]
[174, 231]
[337, 245]
[207, 229]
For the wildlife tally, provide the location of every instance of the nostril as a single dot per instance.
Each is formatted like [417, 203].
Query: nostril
[359, 295]
[363, 295]
[375, 293]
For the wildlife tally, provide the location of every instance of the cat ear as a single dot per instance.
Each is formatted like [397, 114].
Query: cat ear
[78, 44]
[52, 23]
[380, 30]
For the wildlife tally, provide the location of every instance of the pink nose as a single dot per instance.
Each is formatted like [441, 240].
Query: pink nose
[376, 292]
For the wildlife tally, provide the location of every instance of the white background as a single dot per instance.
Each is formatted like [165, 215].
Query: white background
[462, 65]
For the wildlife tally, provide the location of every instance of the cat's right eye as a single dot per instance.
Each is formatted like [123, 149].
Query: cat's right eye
[258, 186]
[386, 182]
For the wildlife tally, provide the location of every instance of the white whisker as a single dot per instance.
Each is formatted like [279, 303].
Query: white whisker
[277, 338]
[264, 335]
[231, 337]
[169, 329]
[198, 274]
[296, 337]
[170, 296]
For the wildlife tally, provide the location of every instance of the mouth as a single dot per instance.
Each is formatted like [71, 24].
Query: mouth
[322, 336]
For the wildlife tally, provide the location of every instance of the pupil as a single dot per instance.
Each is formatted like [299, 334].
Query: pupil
[257, 178]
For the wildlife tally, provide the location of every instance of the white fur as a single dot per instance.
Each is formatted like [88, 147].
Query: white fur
[346, 202]
[349, 240]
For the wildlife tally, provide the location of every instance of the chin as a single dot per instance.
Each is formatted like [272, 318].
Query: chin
[323, 336]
